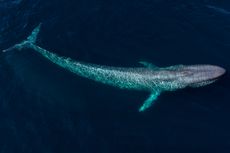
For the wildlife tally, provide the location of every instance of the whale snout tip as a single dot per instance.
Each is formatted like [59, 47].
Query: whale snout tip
[220, 71]
[217, 71]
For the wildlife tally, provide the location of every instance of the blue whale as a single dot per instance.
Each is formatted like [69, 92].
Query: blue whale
[149, 77]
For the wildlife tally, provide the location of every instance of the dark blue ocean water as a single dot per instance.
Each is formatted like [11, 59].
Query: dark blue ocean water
[46, 109]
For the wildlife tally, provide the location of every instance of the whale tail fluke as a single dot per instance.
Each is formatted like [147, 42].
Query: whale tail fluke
[31, 40]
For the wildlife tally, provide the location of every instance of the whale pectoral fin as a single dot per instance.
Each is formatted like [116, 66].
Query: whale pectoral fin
[149, 101]
[148, 65]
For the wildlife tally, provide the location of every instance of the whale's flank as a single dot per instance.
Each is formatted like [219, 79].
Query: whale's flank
[149, 78]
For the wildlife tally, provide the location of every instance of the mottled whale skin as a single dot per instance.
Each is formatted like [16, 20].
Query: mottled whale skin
[146, 78]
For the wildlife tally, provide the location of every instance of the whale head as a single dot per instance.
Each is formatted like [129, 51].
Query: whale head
[201, 75]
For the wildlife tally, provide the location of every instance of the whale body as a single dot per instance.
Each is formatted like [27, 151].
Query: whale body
[146, 78]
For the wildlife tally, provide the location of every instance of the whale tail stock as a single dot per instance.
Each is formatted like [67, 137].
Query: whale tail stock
[30, 40]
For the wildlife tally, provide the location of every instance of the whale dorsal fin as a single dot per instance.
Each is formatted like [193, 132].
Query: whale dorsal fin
[150, 100]
[148, 65]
